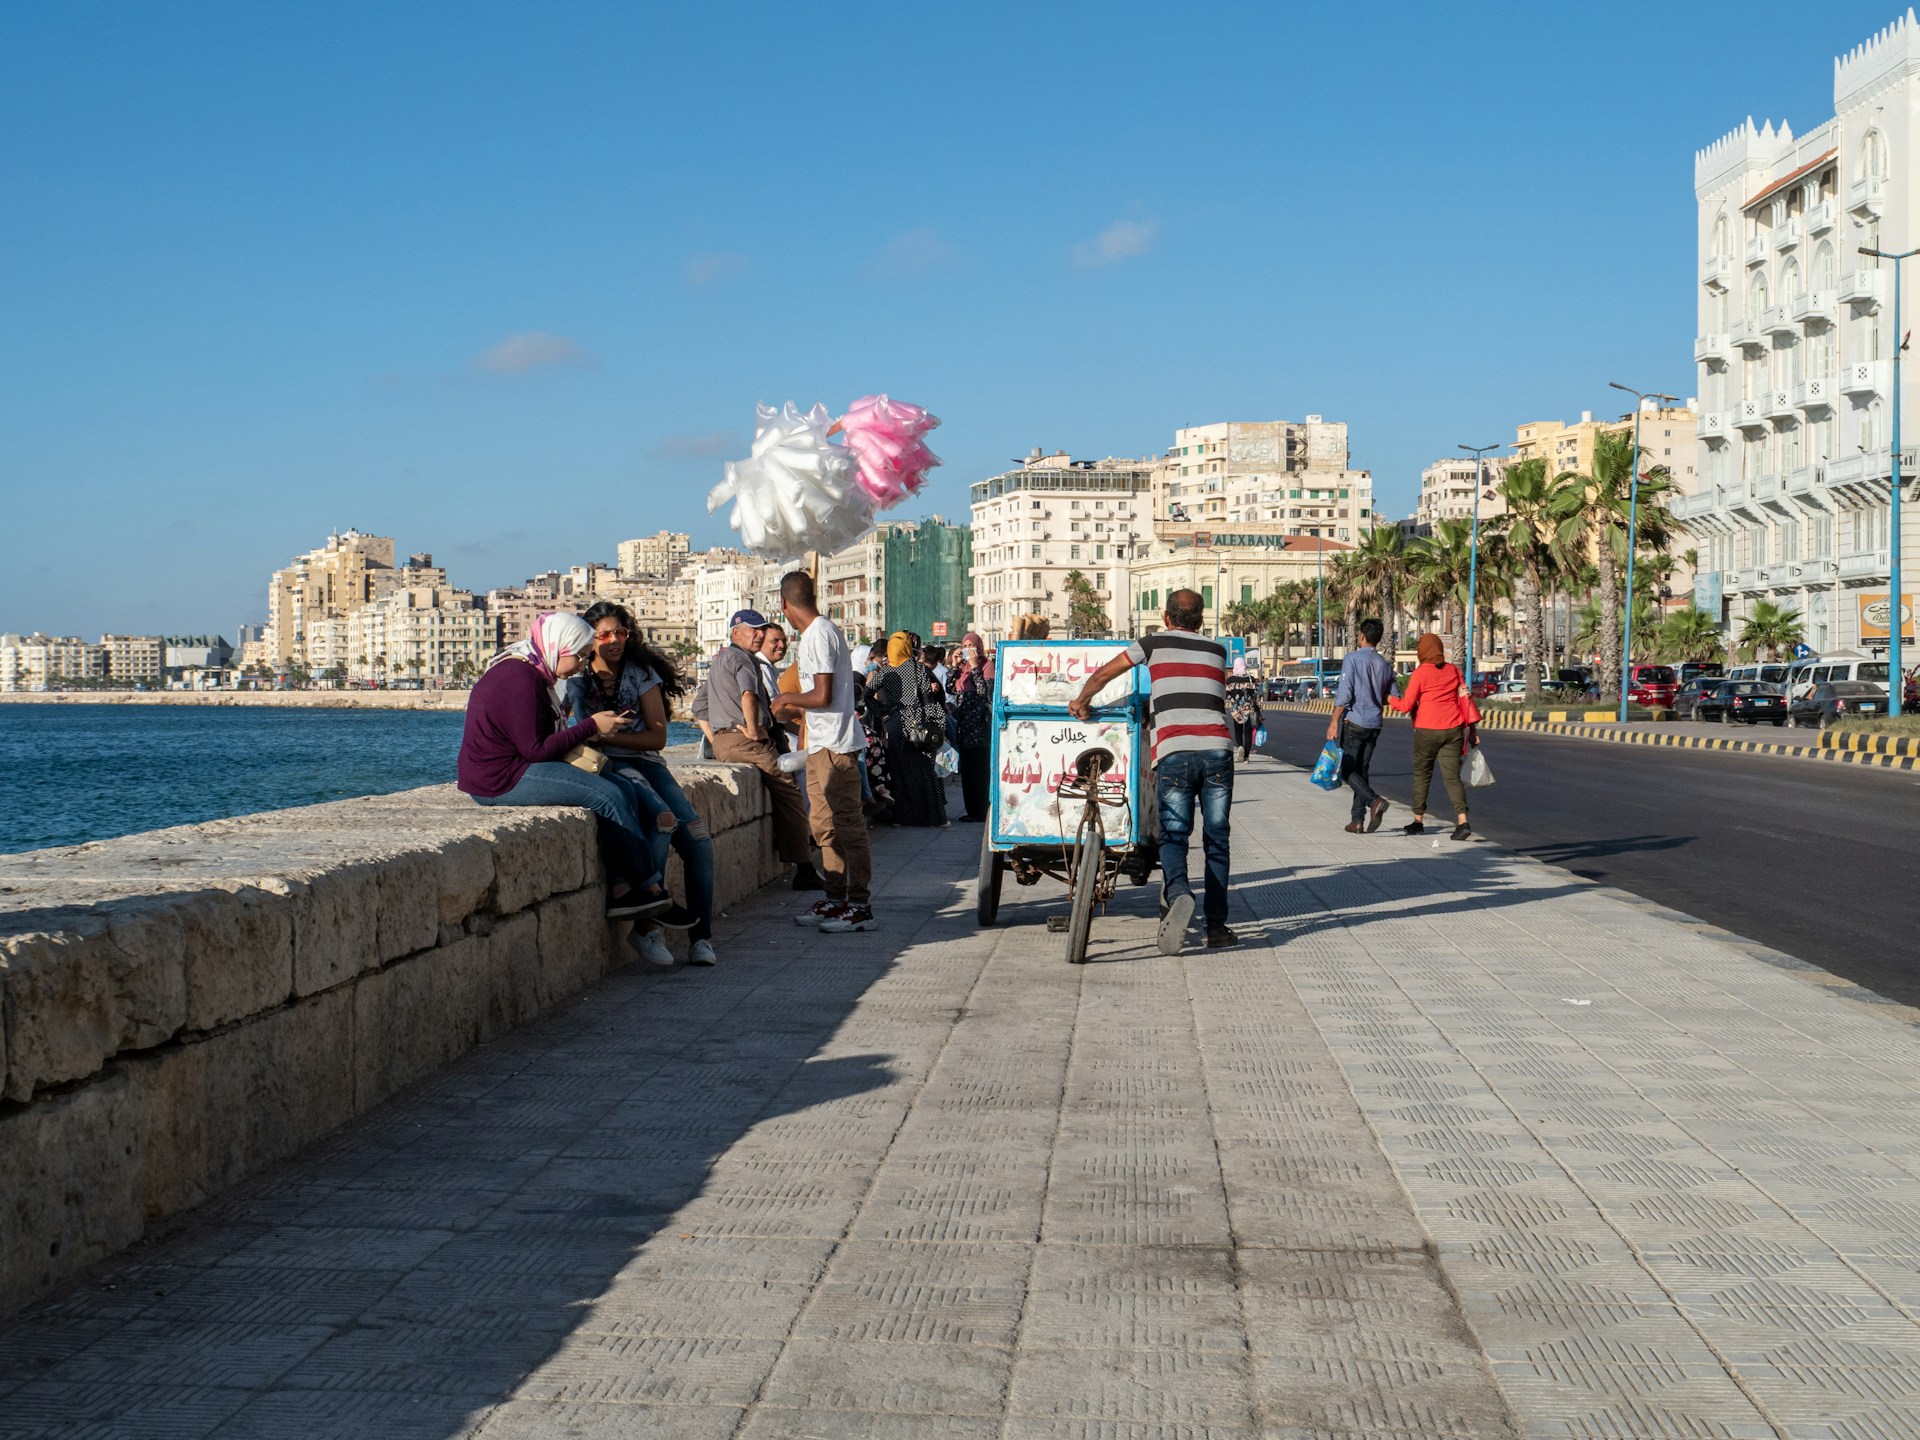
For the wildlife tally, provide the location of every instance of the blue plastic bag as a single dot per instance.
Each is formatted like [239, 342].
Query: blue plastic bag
[1326, 770]
[1260, 737]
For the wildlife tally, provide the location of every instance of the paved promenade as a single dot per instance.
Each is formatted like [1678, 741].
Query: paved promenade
[1454, 1146]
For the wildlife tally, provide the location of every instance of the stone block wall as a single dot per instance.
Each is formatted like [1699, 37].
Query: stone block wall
[182, 1008]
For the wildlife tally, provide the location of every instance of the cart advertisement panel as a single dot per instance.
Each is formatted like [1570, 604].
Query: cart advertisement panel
[1041, 672]
[1034, 753]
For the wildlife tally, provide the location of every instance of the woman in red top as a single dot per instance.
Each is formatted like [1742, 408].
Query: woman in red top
[1444, 719]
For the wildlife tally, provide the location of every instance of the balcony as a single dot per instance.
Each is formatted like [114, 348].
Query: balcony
[1746, 334]
[1867, 565]
[1742, 579]
[1779, 404]
[1776, 577]
[1812, 307]
[1712, 425]
[1750, 414]
[1786, 235]
[1863, 287]
[1821, 218]
[1715, 272]
[1797, 484]
[1756, 251]
[1763, 488]
[1864, 377]
[1712, 350]
[1740, 501]
[1814, 395]
[1775, 321]
[1863, 198]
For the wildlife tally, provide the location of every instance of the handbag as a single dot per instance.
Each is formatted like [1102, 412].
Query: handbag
[918, 731]
[585, 757]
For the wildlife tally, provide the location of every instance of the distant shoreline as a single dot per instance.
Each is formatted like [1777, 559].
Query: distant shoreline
[266, 699]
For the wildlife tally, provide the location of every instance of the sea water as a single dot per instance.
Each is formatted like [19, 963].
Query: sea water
[72, 773]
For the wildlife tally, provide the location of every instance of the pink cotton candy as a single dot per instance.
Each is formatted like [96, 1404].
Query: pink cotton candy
[891, 459]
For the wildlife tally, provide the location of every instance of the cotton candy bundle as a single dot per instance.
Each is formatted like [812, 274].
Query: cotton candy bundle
[886, 437]
[797, 492]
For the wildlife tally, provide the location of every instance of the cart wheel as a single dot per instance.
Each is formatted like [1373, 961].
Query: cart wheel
[1089, 854]
[986, 889]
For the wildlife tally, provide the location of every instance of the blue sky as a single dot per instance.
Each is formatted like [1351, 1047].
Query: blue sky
[504, 281]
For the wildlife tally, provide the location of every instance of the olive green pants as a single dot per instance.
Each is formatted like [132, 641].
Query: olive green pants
[1441, 747]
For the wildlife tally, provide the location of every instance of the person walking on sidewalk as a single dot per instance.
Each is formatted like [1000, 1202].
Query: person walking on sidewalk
[740, 712]
[1192, 756]
[835, 741]
[1444, 720]
[1366, 682]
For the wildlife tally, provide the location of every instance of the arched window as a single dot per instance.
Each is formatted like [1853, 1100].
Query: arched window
[1720, 250]
[1756, 295]
[1823, 267]
[1873, 157]
[1870, 427]
[1790, 279]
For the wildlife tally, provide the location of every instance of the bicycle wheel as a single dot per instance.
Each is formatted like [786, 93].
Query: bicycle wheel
[1089, 854]
[986, 889]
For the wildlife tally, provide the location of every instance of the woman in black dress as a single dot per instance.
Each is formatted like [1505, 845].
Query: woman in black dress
[908, 701]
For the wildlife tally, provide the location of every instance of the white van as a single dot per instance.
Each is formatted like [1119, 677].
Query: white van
[1773, 672]
[1808, 673]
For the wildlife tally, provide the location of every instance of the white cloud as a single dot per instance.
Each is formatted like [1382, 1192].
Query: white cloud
[915, 252]
[703, 270]
[532, 350]
[1121, 240]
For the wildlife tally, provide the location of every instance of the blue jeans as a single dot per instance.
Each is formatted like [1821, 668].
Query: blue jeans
[1180, 778]
[654, 789]
[625, 846]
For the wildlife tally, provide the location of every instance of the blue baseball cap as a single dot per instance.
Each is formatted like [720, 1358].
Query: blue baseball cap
[748, 617]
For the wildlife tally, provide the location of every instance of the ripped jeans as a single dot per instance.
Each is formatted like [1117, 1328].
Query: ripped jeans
[654, 789]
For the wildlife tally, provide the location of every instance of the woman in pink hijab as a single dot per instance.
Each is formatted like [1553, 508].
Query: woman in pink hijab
[971, 700]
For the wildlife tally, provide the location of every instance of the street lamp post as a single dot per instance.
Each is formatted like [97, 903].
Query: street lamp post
[1633, 534]
[1320, 607]
[1479, 453]
[1896, 676]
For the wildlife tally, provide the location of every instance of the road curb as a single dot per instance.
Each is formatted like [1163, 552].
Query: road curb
[1830, 748]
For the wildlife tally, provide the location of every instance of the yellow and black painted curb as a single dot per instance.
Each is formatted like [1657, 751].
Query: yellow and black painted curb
[1894, 752]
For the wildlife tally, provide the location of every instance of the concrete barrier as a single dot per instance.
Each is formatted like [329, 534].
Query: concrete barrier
[181, 1008]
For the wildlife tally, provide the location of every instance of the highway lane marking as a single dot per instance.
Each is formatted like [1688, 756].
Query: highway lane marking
[1770, 834]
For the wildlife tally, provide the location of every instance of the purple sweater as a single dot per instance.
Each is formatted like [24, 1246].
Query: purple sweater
[510, 724]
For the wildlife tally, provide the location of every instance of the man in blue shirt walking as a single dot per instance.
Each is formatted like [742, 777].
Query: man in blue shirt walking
[1366, 679]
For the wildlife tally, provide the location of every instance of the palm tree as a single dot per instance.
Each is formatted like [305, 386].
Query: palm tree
[1440, 564]
[1242, 617]
[1773, 627]
[1594, 516]
[1531, 532]
[1689, 634]
[1379, 570]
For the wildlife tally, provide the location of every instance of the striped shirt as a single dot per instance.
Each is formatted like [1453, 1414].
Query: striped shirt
[1187, 678]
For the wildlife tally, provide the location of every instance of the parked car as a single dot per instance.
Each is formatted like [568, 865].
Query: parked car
[1748, 702]
[1690, 695]
[1835, 700]
[1653, 686]
[1691, 670]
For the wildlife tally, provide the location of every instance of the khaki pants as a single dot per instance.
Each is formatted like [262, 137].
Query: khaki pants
[840, 826]
[1439, 748]
[789, 810]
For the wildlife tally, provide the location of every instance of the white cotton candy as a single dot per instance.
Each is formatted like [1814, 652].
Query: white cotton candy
[797, 491]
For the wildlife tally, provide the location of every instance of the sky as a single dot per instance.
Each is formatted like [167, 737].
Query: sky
[505, 281]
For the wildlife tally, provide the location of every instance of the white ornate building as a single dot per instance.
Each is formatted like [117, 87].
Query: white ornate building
[1795, 347]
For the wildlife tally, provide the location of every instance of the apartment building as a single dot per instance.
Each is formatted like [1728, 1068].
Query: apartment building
[37, 662]
[332, 581]
[852, 586]
[422, 628]
[659, 555]
[1667, 439]
[1795, 346]
[134, 659]
[1225, 564]
[1447, 491]
[1049, 516]
[1294, 476]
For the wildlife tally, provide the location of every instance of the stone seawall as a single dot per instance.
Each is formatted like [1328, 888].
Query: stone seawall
[181, 1008]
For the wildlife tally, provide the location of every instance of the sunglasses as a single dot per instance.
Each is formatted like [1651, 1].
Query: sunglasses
[604, 635]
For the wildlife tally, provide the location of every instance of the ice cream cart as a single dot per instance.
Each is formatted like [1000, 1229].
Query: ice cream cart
[1069, 797]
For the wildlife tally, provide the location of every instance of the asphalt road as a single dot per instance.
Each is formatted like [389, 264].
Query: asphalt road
[1817, 860]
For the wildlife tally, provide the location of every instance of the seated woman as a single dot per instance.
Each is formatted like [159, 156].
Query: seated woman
[511, 754]
[628, 675]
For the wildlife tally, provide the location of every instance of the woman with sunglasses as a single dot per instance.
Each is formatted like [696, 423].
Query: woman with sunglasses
[513, 752]
[631, 677]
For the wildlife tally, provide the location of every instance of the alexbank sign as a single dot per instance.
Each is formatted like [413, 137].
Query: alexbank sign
[1207, 540]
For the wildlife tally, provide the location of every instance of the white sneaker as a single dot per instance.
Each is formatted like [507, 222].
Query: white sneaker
[819, 911]
[652, 948]
[701, 953]
[849, 917]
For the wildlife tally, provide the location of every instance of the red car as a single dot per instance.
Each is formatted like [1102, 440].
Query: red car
[1653, 686]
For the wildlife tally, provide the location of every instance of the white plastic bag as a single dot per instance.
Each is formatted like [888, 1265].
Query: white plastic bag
[1474, 769]
[946, 762]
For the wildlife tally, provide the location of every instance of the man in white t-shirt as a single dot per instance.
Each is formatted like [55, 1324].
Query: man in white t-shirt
[835, 741]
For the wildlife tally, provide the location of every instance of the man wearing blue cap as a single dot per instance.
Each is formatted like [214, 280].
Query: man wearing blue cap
[739, 711]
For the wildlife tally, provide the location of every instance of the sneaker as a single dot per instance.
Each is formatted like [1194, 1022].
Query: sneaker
[651, 946]
[1221, 938]
[1413, 827]
[805, 877]
[701, 953]
[675, 917]
[851, 917]
[1374, 813]
[819, 912]
[632, 906]
[1462, 832]
[1173, 924]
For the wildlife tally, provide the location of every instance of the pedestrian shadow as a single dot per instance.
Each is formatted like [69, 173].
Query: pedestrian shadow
[583, 1174]
[1563, 852]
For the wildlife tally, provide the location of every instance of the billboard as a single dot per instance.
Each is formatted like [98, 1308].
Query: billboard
[1708, 594]
[1875, 612]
